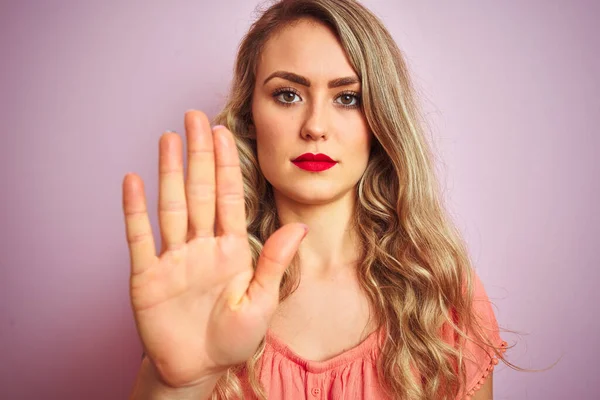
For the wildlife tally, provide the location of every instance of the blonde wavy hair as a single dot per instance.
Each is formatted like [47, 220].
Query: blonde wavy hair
[414, 268]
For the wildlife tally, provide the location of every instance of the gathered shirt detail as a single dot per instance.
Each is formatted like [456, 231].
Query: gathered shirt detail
[353, 374]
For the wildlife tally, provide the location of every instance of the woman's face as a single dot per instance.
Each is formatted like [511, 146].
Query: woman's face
[301, 105]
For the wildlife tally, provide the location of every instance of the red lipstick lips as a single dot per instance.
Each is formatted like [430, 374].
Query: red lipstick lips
[314, 162]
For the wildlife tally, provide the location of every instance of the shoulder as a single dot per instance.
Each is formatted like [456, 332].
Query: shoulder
[483, 310]
[480, 359]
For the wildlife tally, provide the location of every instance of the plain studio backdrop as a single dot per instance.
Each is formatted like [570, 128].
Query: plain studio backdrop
[510, 91]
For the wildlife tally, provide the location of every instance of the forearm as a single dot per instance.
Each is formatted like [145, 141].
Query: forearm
[148, 386]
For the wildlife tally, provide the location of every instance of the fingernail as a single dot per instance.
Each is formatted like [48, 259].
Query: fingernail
[223, 140]
[305, 230]
[217, 127]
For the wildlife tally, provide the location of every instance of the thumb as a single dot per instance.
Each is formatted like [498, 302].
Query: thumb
[275, 257]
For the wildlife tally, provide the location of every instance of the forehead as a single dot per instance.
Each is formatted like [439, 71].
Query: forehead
[307, 48]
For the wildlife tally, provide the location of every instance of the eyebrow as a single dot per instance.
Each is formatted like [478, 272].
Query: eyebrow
[290, 76]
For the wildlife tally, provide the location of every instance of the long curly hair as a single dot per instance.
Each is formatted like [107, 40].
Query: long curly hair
[414, 267]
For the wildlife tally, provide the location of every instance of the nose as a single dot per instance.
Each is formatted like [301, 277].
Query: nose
[315, 126]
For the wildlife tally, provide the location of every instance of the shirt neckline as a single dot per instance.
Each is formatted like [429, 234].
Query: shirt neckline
[368, 347]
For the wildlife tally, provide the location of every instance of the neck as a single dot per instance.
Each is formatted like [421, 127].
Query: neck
[331, 245]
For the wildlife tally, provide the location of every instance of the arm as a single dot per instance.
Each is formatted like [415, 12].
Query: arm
[148, 386]
[486, 391]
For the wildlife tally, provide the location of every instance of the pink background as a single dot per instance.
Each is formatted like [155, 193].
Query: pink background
[87, 88]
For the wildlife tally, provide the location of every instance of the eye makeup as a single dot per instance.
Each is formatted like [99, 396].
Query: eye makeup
[290, 90]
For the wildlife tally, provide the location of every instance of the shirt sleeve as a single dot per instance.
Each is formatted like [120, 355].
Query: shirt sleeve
[480, 362]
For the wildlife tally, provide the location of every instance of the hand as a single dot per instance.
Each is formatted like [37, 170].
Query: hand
[199, 306]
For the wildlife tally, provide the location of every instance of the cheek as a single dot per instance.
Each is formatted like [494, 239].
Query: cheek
[353, 125]
[265, 116]
[275, 130]
[270, 147]
[361, 141]
[266, 146]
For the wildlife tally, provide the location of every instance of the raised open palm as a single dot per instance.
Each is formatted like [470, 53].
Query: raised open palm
[199, 306]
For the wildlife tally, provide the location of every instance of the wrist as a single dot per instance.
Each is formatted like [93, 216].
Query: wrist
[199, 390]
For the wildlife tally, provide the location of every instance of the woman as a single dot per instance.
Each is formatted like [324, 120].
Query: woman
[320, 164]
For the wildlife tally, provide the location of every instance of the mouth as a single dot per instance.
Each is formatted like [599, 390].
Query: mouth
[314, 162]
[314, 157]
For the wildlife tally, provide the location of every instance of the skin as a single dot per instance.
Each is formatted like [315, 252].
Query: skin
[486, 391]
[315, 121]
[199, 305]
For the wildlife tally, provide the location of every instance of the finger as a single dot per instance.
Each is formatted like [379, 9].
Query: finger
[275, 257]
[172, 206]
[231, 214]
[200, 184]
[142, 251]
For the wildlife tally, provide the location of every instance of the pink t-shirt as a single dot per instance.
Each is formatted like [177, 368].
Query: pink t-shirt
[353, 374]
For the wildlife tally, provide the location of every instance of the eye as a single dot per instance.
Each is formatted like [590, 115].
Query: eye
[286, 96]
[349, 99]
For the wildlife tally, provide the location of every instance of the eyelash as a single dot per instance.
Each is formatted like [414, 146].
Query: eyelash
[294, 91]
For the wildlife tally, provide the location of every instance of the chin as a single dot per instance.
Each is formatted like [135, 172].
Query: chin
[309, 193]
